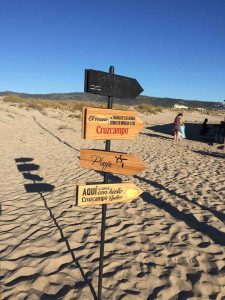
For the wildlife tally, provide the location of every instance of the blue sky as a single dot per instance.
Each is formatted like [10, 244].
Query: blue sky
[174, 48]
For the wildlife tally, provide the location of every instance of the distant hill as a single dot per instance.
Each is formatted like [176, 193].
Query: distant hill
[164, 102]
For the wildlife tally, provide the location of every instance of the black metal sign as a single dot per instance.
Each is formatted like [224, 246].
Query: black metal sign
[112, 85]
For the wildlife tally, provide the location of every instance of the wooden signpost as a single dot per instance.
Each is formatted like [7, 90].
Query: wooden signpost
[108, 124]
[106, 193]
[112, 162]
[105, 124]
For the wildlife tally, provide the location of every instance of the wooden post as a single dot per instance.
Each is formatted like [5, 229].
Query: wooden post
[104, 208]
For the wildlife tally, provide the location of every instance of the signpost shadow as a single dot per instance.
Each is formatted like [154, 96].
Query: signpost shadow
[45, 187]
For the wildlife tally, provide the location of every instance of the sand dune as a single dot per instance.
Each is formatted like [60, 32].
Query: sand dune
[167, 244]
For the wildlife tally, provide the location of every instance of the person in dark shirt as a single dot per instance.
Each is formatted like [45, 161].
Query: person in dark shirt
[220, 135]
[205, 129]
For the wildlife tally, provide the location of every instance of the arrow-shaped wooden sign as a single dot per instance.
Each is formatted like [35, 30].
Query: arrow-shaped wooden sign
[110, 124]
[106, 193]
[106, 84]
[113, 162]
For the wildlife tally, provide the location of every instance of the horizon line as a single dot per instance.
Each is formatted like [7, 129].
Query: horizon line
[165, 97]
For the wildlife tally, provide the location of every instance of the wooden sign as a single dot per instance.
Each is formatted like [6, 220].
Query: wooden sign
[94, 194]
[106, 84]
[113, 162]
[110, 124]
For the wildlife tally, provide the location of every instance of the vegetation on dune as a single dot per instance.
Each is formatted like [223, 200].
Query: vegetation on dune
[40, 104]
[151, 109]
[149, 100]
[73, 105]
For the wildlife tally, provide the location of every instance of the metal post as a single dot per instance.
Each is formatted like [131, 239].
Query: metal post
[104, 208]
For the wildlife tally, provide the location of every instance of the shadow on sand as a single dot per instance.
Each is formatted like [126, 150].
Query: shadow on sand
[156, 135]
[214, 234]
[214, 154]
[25, 167]
[45, 187]
[192, 131]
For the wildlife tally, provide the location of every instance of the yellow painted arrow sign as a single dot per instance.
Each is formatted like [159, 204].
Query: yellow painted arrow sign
[110, 124]
[113, 162]
[94, 194]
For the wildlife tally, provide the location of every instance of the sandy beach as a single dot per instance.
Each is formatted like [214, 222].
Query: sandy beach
[169, 243]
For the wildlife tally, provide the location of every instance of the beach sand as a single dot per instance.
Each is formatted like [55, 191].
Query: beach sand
[169, 243]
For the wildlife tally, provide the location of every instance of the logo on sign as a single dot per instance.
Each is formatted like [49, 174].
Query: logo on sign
[101, 194]
[113, 120]
[104, 165]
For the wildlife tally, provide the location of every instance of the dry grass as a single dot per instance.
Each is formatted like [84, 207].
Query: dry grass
[73, 105]
[147, 108]
[41, 104]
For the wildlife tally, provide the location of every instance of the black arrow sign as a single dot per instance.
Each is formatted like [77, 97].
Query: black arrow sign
[106, 84]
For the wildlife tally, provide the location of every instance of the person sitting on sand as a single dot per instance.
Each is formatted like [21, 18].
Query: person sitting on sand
[205, 129]
[220, 135]
[223, 135]
[177, 123]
